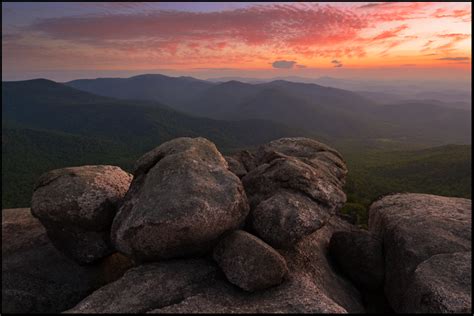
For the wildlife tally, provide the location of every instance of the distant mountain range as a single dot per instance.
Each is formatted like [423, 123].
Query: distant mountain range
[329, 112]
[47, 125]
[47, 105]
[452, 93]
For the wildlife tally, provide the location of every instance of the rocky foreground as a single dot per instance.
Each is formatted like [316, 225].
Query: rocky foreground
[256, 232]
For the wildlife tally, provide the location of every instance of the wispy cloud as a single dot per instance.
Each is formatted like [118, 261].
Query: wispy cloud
[446, 13]
[453, 58]
[453, 38]
[374, 5]
[390, 33]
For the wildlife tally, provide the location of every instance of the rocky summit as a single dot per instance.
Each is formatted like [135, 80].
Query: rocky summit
[256, 231]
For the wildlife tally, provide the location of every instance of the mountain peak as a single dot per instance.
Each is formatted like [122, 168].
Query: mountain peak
[37, 81]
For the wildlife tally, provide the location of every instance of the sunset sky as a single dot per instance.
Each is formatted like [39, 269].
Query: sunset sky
[64, 41]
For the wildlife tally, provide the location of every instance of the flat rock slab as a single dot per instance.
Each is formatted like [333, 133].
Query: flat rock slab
[77, 206]
[442, 284]
[414, 228]
[181, 201]
[297, 295]
[248, 262]
[150, 286]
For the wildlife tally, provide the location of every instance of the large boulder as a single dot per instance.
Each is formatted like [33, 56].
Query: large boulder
[248, 262]
[415, 229]
[37, 278]
[77, 206]
[360, 257]
[181, 201]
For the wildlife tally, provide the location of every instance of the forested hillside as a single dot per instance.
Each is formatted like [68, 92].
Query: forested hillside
[46, 125]
[444, 170]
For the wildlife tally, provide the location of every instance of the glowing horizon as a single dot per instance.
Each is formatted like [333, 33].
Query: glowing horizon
[387, 40]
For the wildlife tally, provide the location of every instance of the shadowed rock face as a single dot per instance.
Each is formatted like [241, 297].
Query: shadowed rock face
[421, 234]
[248, 262]
[183, 198]
[77, 206]
[235, 166]
[360, 256]
[241, 162]
[36, 277]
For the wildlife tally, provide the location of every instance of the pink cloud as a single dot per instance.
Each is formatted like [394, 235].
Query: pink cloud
[446, 13]
[390, 33]
[454, 38]
[395, 11]
[256, 25]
